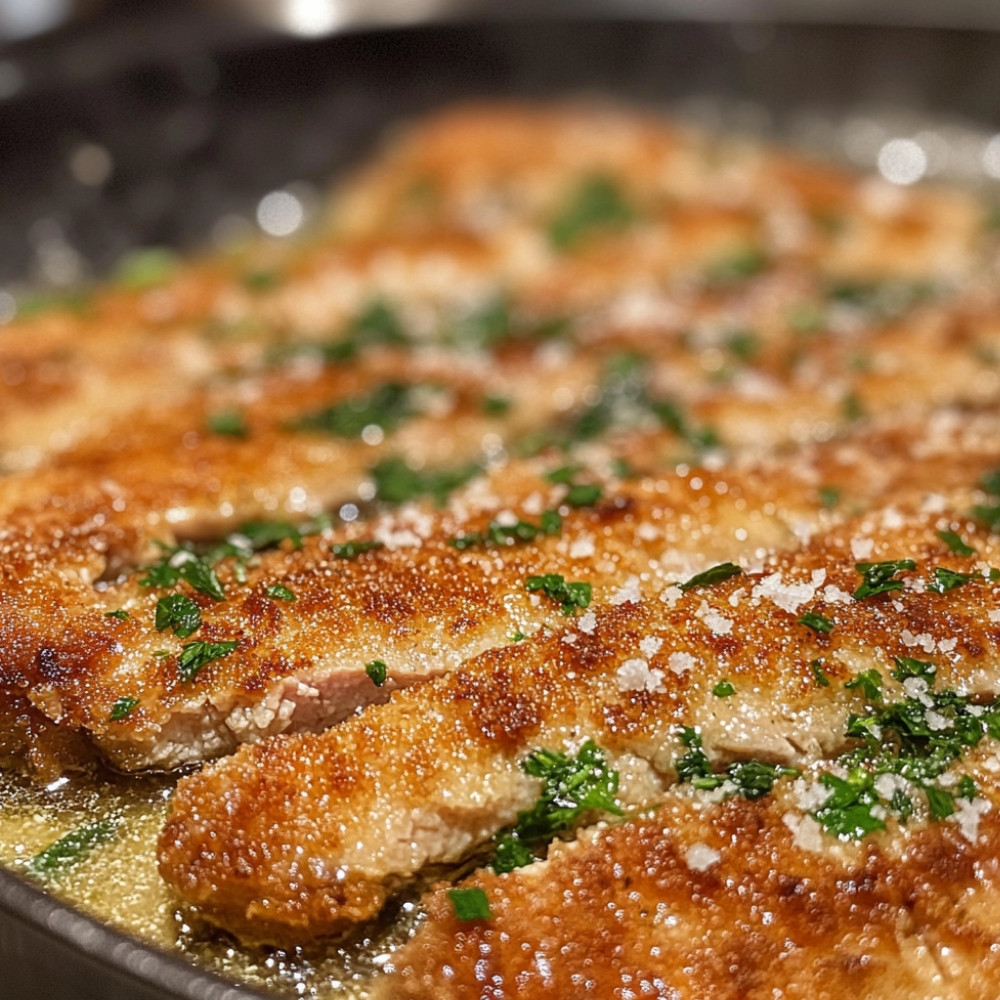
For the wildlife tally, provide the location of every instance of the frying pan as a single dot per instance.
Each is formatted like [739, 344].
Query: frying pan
[199, 114]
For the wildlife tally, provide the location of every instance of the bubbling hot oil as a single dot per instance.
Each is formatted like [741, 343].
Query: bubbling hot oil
[116, 881]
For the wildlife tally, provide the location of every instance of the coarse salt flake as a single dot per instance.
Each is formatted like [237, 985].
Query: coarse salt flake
[807, 834]
[680, 662]
[862, 548]
[701, 857]
[787, 596]
[636, 675]
[832, 594]
[650, 645]
[967, 815]
[586, 623]
[582, 547]
[628, 593]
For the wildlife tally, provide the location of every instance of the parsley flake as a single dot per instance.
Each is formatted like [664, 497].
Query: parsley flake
[68, 850]
[396, 481]
[571, 787]
[955, 542]
[711, 576]
[182, 564]
[869, 682]
[228, 423]
[816, 666]
[122, 708]
[597, 203]
[178, 613]
[377, 672]
[351, 550]
[495, 533]
[751, 779]
[385, 407]
[470, 904]
[829, 496]
[583, 495]
[947, 579]
[723, 689]
[119, 613]
[555, 587]
[279, 592]
[817, 622]
[880, 577]
[195, 655]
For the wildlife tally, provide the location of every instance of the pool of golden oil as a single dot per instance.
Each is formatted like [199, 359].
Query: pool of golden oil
[116, 881]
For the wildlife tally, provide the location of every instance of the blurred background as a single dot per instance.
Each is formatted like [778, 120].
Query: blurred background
[187, 124]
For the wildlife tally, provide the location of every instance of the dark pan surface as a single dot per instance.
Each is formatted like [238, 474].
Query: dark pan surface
[198, 119]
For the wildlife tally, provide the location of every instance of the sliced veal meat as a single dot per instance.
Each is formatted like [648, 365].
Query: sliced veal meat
[678, 214]
[730, 901]
[306, 836]
[417, 590]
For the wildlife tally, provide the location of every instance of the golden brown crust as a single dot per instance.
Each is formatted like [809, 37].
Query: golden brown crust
[436, 769]
[798, 366]
[718, 901]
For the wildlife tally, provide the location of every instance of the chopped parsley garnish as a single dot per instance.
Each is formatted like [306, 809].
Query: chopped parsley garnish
[673, 419]
[881, 299]
[377, 672]
[723, 689]
[737, 266]
[598, 203]
[947, 579]
[182, 564]
[819, 676]
[195, 655]
[228, 423]
[70, 849]
[955, 542]
[122, 708]
[470, 904]
[279, 592]
[817, 622]
[554, 586]
[385, 407]
[852, 407]
[571, 787]
[261, 281]
[907, 666]
[120, 613]
[989, 514]
[848, 812]
[396, 481]
[143, 269]
[178, 613]
[577, 494]
[485, 327]
[752, 779]
[496, 322]
[914, 740]
[710, 577]
[624, 400]
[829, 496]
[267, 535]
[744, 344]
[497, 534]
[869, 682]
[351, 550]
[495, 406]
[880, 577]
[379, 323]
[583, 495]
